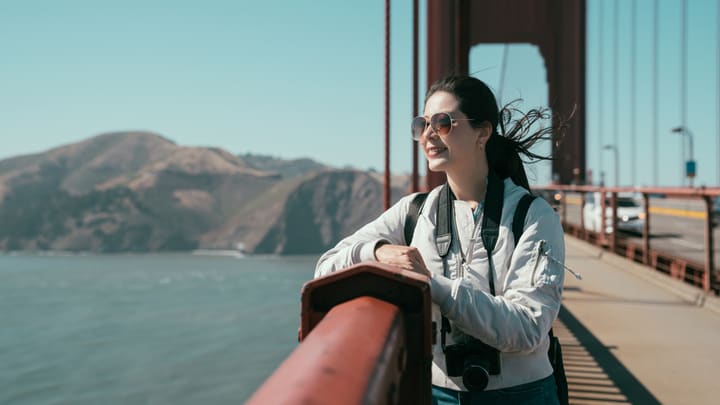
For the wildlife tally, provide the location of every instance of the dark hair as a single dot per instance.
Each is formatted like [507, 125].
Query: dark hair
[502, 149]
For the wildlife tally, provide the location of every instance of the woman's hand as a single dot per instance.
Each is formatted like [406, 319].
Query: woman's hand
[405, 257]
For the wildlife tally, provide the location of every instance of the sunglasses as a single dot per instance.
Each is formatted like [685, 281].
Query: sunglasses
[441, 124]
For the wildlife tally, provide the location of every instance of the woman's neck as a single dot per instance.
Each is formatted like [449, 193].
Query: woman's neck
[469, 188]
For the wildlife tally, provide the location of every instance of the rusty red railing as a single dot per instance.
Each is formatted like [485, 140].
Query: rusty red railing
[365, 337]
[704, 275]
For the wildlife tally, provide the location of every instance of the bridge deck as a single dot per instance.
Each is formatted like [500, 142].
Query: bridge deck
[631, 335]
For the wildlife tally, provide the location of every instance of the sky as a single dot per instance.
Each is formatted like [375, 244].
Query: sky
[298, 79]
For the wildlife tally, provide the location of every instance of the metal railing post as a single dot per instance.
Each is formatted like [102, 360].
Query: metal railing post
[613, 220]
[709, 245]
[646, 229]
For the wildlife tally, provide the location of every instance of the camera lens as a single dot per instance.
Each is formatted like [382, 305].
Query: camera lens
[475, 378]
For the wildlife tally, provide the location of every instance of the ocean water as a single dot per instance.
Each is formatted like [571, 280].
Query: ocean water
[145, 329]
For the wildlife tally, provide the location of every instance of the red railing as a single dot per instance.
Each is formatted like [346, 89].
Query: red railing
[704, 275]
[365, 337]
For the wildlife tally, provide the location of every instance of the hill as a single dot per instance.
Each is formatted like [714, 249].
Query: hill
[138, 191]
[283, 167]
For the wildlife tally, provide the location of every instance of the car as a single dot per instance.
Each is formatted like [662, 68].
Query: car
[630, 214]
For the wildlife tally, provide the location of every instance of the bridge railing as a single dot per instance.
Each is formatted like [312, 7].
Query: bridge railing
[701, 274]
[365, 338]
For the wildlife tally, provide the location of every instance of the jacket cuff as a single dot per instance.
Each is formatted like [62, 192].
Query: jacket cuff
[367, 251]
[440, 291]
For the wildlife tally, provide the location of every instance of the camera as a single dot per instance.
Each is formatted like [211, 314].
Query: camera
[474, 361]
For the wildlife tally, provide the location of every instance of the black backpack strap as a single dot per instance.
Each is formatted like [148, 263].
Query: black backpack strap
[492, 213]
[413, 215]
[443, 230]
[518, 224]
[556, 360]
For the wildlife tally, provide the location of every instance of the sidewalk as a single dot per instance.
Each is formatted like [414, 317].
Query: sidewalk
[632, 335]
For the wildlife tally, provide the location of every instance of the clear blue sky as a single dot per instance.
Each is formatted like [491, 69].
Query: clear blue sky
[305, 79]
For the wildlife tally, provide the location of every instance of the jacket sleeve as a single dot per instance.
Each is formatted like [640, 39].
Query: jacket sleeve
[520, 318]
[360, 246]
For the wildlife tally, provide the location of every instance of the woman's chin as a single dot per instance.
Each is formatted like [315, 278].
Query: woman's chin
[437, 165]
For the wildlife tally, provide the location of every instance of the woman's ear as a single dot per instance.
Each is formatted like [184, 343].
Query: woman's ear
[484, 132]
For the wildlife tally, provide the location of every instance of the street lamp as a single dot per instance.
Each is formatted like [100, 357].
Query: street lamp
[617, 171]
[690, 164]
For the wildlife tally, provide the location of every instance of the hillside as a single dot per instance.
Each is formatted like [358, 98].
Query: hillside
[283, 167]
[138, 191]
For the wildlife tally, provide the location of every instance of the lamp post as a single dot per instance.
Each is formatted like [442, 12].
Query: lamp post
[690, 164]
[617, 170]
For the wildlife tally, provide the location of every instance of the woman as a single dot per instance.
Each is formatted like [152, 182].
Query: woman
[495, 311]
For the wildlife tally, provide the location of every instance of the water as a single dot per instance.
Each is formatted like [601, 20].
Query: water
[145, 329]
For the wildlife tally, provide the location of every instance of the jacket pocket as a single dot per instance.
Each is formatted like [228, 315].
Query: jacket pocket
[542, 272]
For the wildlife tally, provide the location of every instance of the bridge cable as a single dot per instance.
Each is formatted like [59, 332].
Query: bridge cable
[503, 69]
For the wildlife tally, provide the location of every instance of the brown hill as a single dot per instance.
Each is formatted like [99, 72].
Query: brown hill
[322, 210]
[138, 191]
[303, 215]
[121, 191]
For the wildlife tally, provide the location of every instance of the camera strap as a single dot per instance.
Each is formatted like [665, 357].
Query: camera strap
[492, 213]
[445, 214]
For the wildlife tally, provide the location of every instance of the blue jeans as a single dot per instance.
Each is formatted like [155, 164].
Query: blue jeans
[541, 392]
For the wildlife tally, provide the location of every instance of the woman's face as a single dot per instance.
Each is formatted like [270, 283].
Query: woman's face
[462, 148]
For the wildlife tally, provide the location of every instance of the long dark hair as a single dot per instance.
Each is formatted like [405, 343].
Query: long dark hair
[503, 149]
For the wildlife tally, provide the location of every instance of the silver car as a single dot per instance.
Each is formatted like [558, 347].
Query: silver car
[630, 214]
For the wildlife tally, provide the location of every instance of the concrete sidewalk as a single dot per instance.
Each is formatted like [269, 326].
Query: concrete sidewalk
[632, 335]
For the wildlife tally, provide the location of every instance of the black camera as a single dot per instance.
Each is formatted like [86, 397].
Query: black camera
[474, 361]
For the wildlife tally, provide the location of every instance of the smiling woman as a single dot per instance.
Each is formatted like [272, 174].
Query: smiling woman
[495, 290]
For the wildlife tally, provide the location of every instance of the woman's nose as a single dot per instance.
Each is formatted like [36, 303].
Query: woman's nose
[429, 132]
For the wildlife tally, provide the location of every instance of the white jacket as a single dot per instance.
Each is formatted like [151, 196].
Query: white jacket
[528, 280]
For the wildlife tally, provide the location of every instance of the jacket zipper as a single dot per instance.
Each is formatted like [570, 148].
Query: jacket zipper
[471, 246]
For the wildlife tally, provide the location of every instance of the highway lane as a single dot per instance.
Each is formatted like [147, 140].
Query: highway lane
[677, 226]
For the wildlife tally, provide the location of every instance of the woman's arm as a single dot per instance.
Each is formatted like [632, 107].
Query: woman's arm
[388, 228]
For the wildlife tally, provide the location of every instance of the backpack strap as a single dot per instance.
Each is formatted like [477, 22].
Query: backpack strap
[412, 216]
[492, 214]
[518, 224]
[416, 204]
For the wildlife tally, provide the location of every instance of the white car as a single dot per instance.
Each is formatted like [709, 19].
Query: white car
[630, 215]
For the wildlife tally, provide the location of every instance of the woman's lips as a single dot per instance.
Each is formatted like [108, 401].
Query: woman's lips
[435, 150]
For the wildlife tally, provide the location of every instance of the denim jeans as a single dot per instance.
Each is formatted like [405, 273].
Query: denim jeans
[541, 392]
